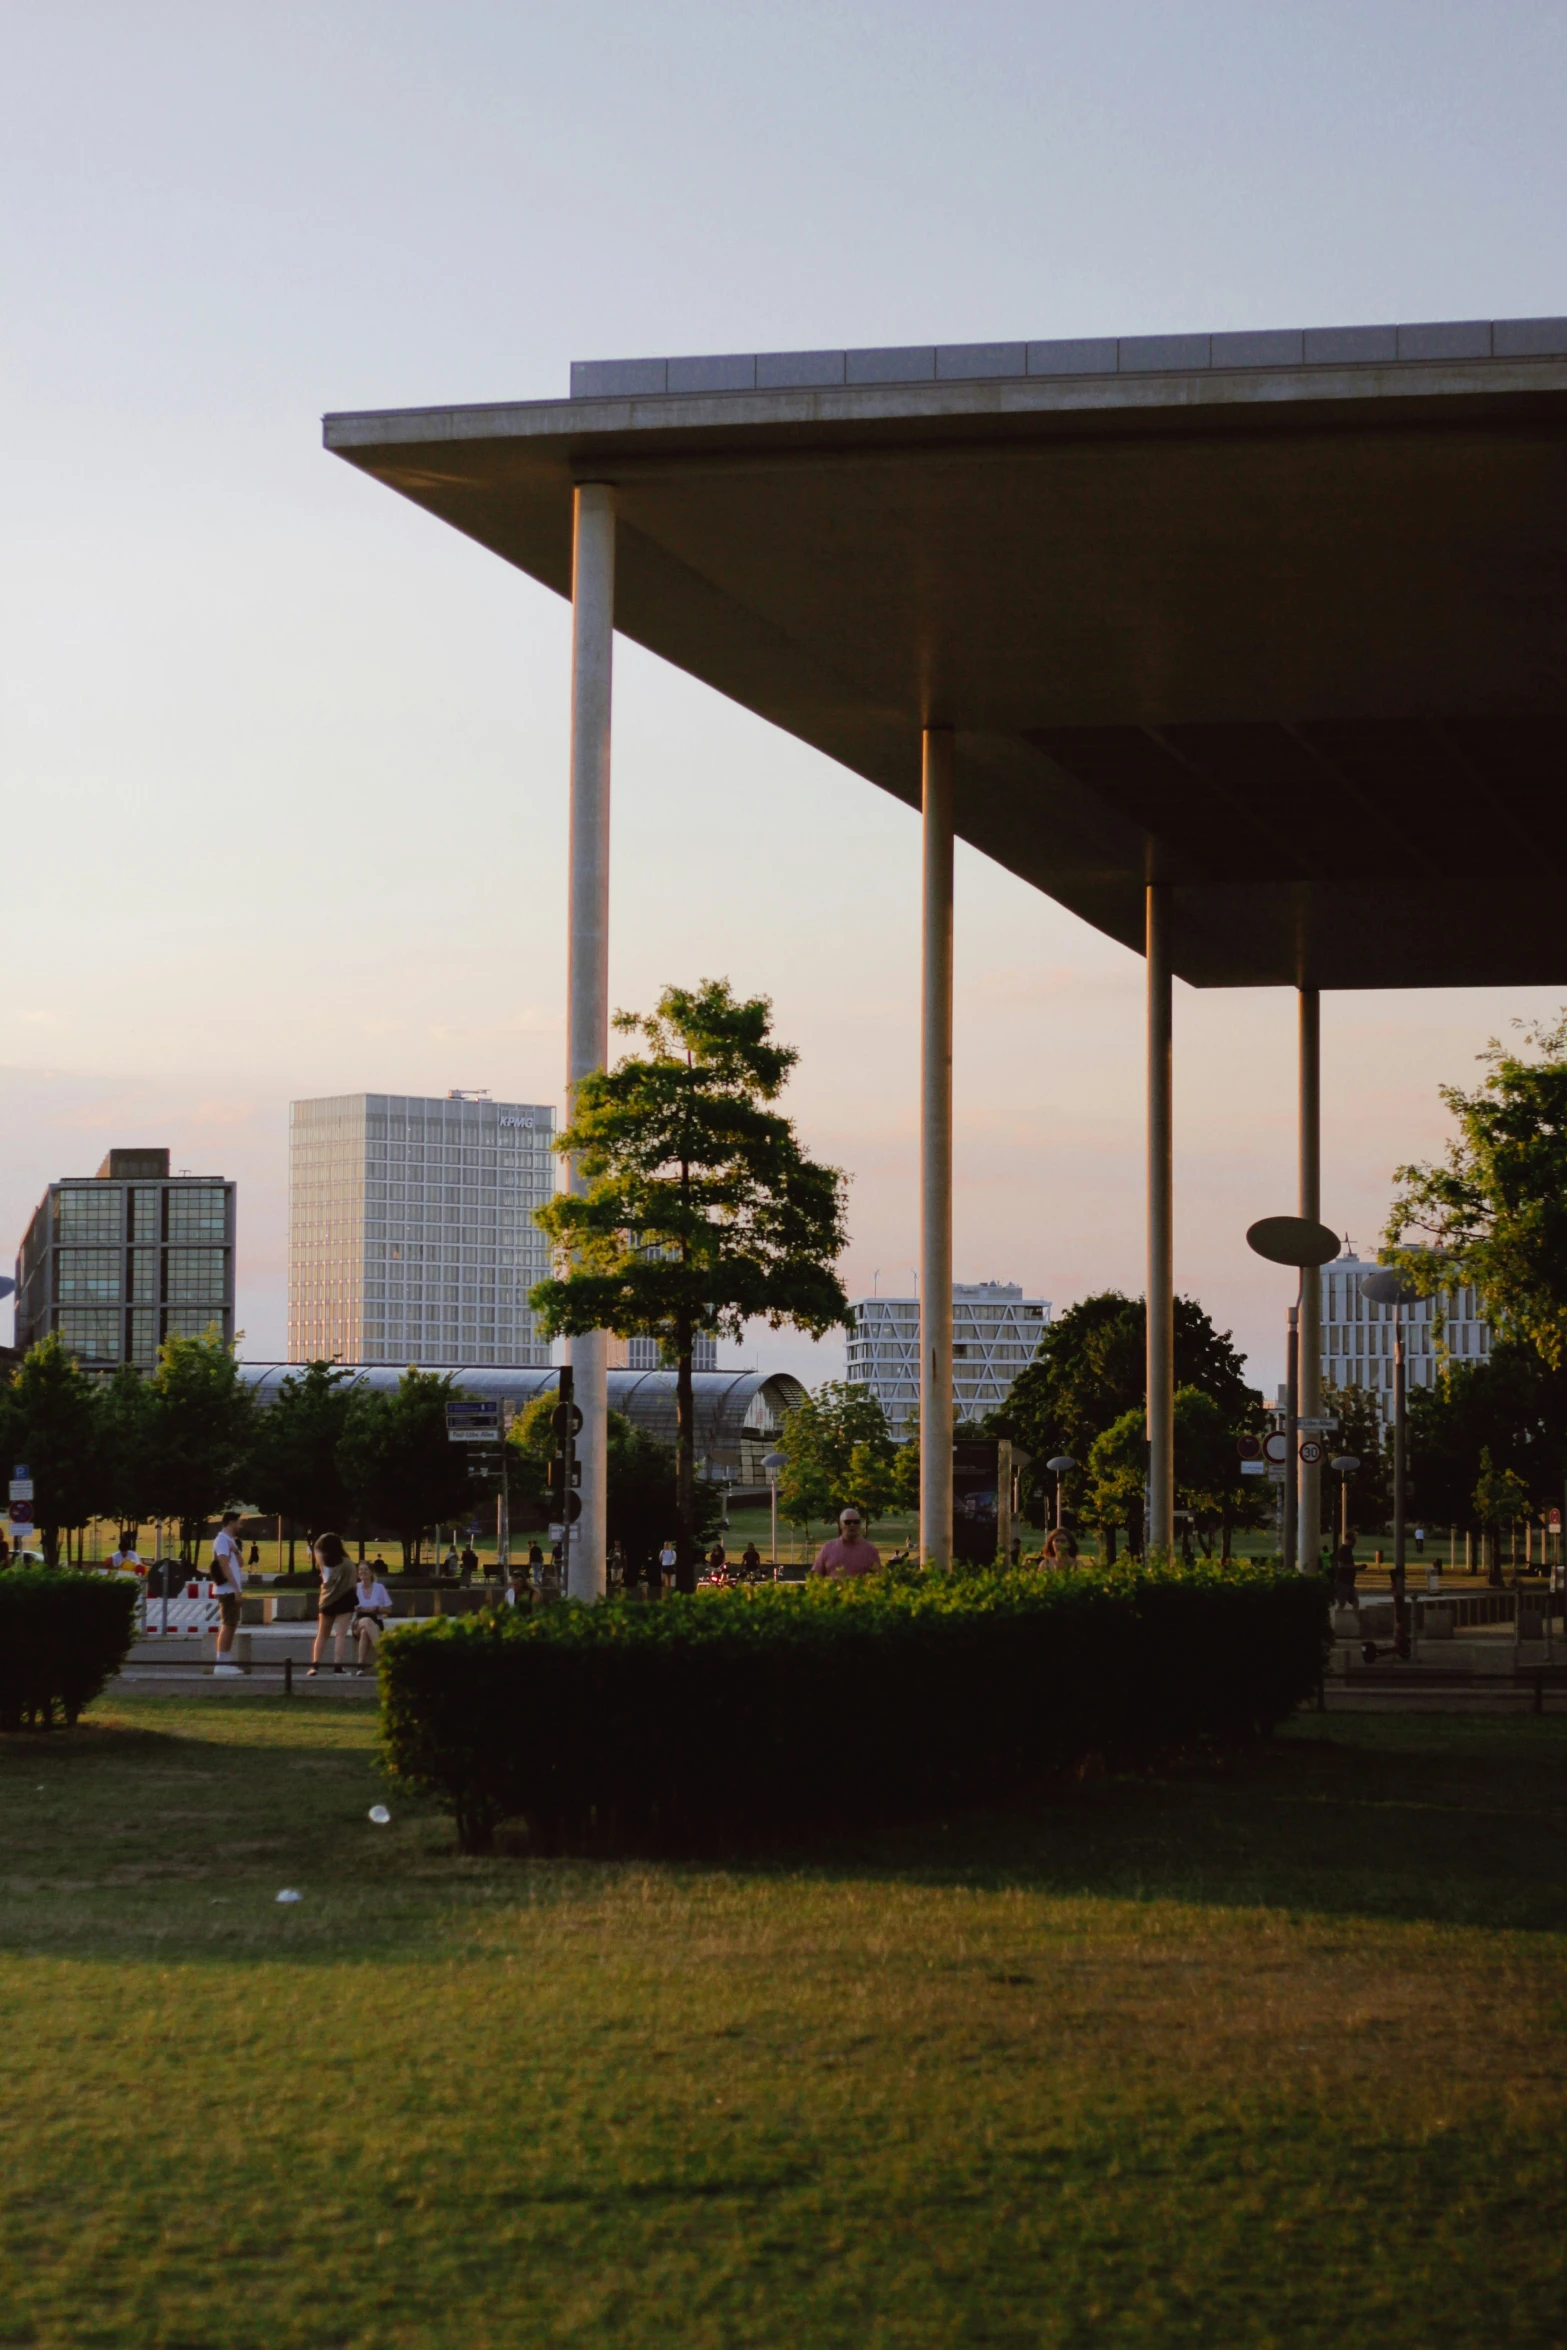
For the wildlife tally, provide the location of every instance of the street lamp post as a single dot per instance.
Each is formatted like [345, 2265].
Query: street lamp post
[1344, 1465]
[772, 1462]
[1395, 1289]
[1058, 1466]
[1304, 1243]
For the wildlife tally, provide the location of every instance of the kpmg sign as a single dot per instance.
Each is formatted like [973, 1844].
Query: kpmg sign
[526, 1119]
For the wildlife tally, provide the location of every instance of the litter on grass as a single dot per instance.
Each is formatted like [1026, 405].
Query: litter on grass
[381, 1816]
[290, 1894]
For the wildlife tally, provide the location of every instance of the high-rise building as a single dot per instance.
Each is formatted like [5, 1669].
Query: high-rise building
[411, 1236]
[642, 1353]
[996, 1330]
[118, 1261]
[1357, 1336]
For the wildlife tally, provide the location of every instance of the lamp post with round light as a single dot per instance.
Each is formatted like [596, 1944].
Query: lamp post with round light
[1344, 1465]
[1392, 1288]
[772, 1462]
[1059, 1465]
[1304, 1243]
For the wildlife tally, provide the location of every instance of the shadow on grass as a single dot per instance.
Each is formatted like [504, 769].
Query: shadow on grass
[121, 1840]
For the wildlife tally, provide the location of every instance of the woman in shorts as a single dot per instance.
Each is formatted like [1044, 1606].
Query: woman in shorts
[337, 1603]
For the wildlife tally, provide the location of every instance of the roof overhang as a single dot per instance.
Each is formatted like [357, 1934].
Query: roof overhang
[1283, 628]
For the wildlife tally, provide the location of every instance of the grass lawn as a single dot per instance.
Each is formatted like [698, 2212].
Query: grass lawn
[1272, 2056]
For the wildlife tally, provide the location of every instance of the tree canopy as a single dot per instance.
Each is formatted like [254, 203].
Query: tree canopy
[1091, 1369]
[699, 1210]
[1494, 1211]
[840, 1452]
[397, 1458]
[298, 1462]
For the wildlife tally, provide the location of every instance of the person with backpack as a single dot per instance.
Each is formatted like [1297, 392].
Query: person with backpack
[228, 1578]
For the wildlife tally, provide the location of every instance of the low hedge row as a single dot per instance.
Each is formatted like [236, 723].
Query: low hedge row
[61, 1636]
[755, 1714]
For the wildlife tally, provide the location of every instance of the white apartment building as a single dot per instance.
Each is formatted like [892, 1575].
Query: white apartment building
[996, 1330]
[1357, 1336]
[411, 1235]
[642, 1354]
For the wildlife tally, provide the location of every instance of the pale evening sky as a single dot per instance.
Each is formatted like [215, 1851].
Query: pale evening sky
[286, 760]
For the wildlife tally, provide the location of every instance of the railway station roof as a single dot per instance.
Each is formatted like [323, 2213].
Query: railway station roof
[1279, 619]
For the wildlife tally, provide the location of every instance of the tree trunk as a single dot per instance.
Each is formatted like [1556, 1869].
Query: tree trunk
[685, 1462]
[1108, 1532]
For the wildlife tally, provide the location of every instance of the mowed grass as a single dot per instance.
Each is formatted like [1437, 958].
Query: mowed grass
[1271, 2055]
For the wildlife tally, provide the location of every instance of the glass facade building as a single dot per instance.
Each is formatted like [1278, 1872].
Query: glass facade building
[996, 1330]
[118, 1261]
[411, 1233]
[1357, 1336]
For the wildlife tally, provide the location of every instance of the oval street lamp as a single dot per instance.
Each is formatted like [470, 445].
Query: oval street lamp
[1058, 1465]
[1303, 1242]
[772, 1462]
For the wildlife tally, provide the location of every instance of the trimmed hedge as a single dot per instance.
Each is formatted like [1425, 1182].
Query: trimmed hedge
[755, 1714]
[61, 1636]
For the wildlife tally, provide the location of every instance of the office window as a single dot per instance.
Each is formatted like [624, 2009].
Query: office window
[190, 1321]
[144, 1340]
[144, 1275]
[89, 1276]
[146, 1215]
[198, 1214]
[195, 1276]
[92, 1333]
[90, 1215]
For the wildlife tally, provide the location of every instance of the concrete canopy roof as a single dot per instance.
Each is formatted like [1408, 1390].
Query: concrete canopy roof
[1280, 620]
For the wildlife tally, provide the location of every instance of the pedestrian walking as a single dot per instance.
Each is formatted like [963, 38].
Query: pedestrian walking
[337, 1602]
[469, 1562]
[228, 1574]
[372, 1606]
[850, 1553]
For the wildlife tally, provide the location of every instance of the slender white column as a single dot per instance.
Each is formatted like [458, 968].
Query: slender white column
[936, 1155]
[587, 983]
[1161, 1229]
[1309, 1513]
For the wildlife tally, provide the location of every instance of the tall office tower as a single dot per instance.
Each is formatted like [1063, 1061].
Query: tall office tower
[410, 1233]
[1357, 1336]
[995, 1331]
[642, 1353]
[118, 1261]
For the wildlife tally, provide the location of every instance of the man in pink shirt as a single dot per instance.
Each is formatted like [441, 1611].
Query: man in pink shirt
[850, 1554]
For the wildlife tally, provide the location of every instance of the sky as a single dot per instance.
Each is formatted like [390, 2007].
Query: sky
[285, 760]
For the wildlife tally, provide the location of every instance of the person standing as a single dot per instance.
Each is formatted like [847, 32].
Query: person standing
[469, 1563]
[337, 1602]
[228, 1576]
[850, 1554]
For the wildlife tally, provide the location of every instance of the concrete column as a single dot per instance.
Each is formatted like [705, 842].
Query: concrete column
[587, 983]
[936, 1155]
[1310, 1487]
[1161, 1229]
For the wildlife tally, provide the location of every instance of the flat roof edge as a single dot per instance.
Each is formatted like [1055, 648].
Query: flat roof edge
[1150, 391]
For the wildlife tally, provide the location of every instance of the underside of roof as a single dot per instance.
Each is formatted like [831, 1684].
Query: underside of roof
[1290, 637]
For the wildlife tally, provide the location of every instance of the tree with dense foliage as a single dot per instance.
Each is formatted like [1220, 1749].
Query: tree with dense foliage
[1494, 1212]
[1510, 1408]
[1209, 1487]
[1361, 1436]
[1091, 1369]
[642, 1481]
[49, 1423]
[840, 1452]
[127, 1449]
[298, 1467]
[700, 1212]
[203, 1426]
[399, 1462]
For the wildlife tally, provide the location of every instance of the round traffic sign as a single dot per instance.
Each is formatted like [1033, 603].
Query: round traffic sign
[1311, 1452]
[1275, 1446]
[1249, 1447]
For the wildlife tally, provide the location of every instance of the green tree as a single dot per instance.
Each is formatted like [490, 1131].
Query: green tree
[840, 1452]
[127, 1449]
[1091, 1369]
[1500, 1498]
[1494, 1212]
[51, 1426]
[642, 1481]
[700, 1210]
[298, 1462]
[1209, 1483]
[1361, 1436]
[1512, 1406]
[1117, 1466]
[398, 1461]
[203, 1426]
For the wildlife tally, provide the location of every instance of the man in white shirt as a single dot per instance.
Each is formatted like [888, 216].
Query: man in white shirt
[228, 1575]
